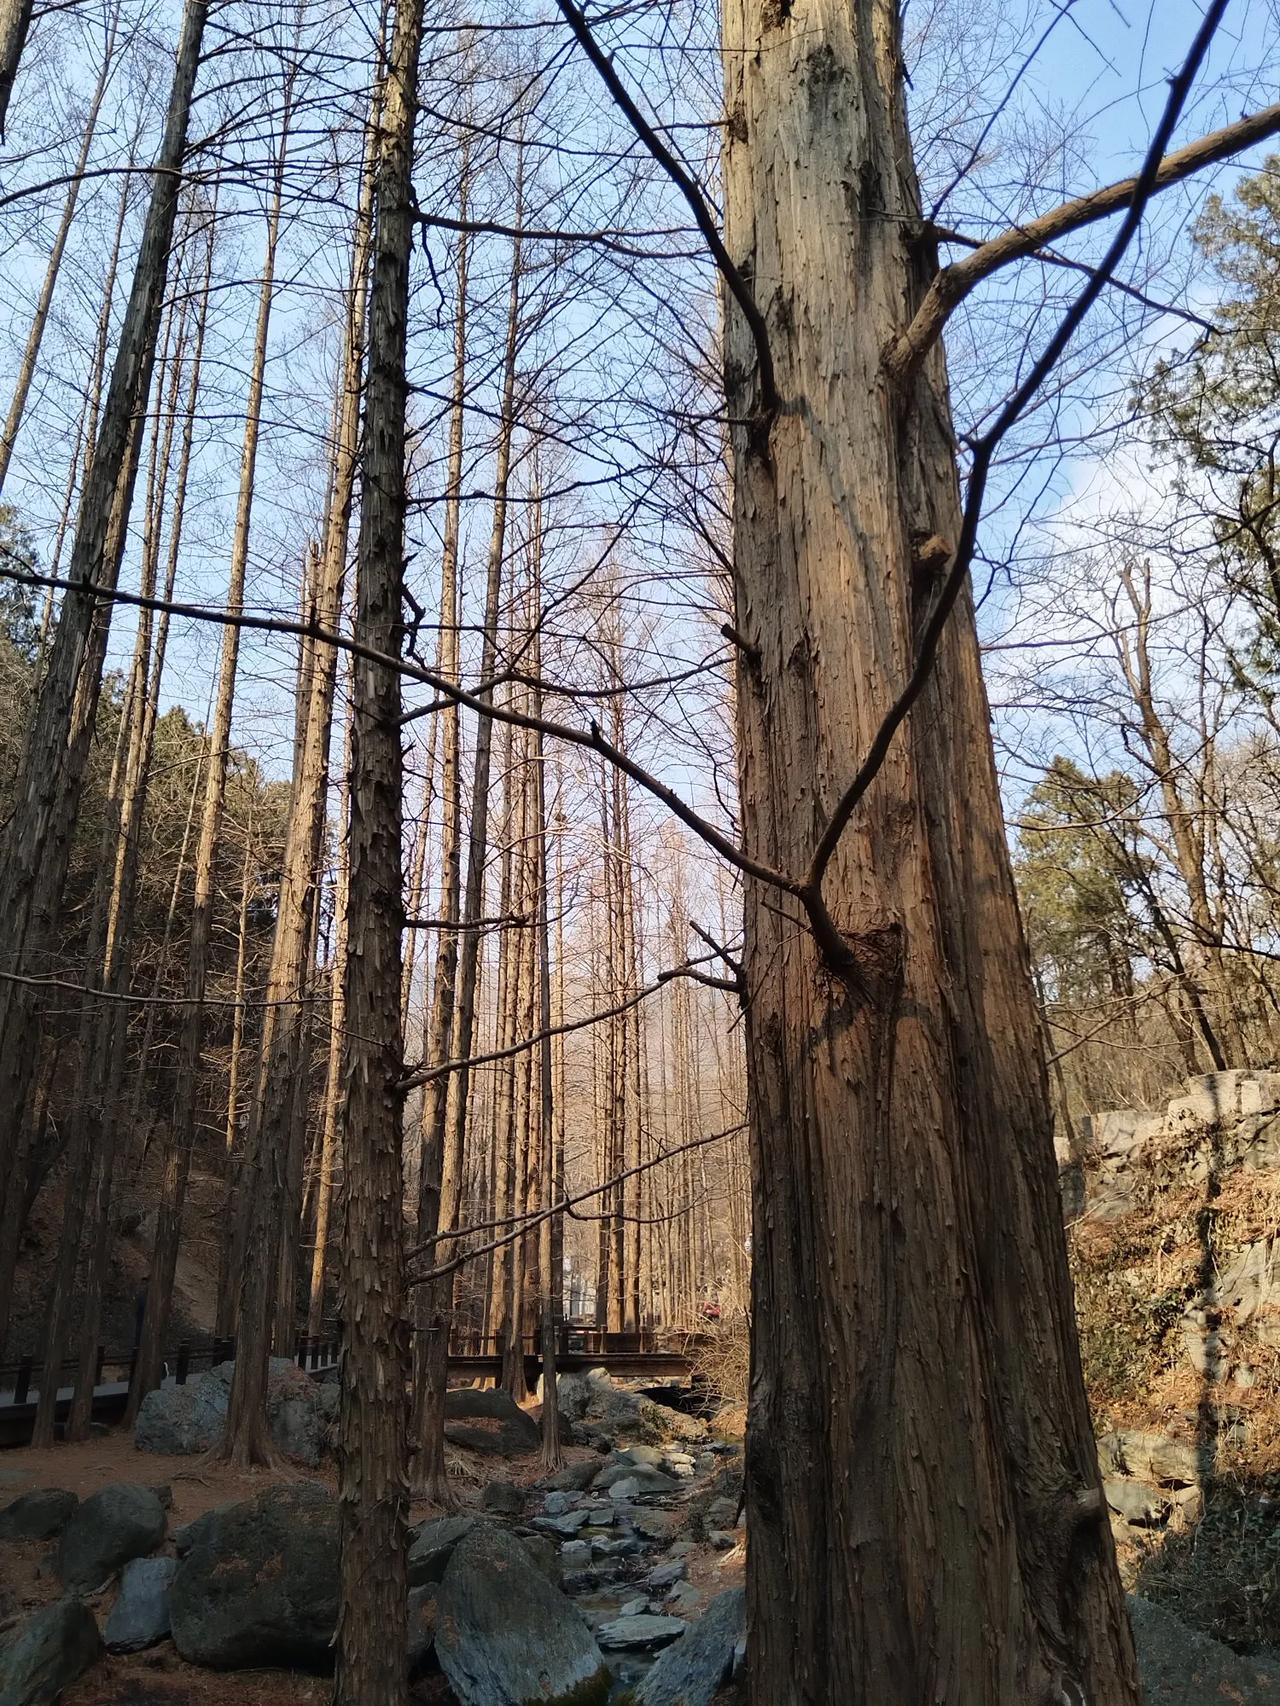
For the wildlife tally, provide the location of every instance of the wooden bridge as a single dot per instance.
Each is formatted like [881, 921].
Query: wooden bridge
[647, 1356]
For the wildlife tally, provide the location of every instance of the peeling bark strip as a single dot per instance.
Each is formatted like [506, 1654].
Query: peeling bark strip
[914, 1355]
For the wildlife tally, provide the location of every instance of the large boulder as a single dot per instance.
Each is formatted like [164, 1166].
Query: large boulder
[182, 1420]
[690, 1672]
[140, 1616]
[432, 1546]
[111, 1526]
[47, 1654]
[489, 1421]
[594, 1407]
[1181, 1667]
[259, 1585]
[505, 1636]
[37, 1516]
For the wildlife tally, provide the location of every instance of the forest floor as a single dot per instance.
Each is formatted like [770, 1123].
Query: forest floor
[160, 1677]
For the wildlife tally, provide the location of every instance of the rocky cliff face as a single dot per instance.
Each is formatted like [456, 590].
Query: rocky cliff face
[1174, 1228]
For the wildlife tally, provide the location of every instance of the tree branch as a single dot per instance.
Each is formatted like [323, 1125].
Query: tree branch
[903, 357]
[703, 217]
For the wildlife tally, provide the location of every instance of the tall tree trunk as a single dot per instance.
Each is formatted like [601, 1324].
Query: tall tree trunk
[37, 845]
[181, 1134]
[40, 319]
[333, 1074]
[437, 1302]
[922, 1480]
[373, 1421]
[102, 1031]
[15, 21]
[428, 1460]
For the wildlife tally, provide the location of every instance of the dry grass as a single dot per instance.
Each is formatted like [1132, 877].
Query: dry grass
[720, 1359]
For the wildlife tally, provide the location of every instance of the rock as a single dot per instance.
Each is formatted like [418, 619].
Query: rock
[574, 1477]
[667, 1575]
[546, 1557]
[37, 1516]
[490, 1422]
[503, 1498]
[721, 1539]
[1152, 1457]
[633, 1608]
[593, 1406]
[723, 1513]
[182, 1420]
[642, 1634]
[259, 1586]
[186, 1537]
[505, 1636]
[1117, 1133]
[692, 1671]
[575, 1555]
[682, 1598]
[557, 1503]
[47, 1654]
[1138, 1504]
[113, 1525]
[140, 1616]
[646, 1454]
[433, 1545]
[563, 1527]
[657, 1525]
[422, 1624]
[1181, 1667]
[640, 1477]
[623, 1491]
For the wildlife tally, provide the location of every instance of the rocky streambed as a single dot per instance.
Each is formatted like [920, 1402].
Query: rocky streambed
[599, 1583]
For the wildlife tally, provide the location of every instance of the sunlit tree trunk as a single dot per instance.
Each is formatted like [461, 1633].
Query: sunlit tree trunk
[373, 1420]
[922, 1481]
[180, 1133]
[37, 843]
[40, 319]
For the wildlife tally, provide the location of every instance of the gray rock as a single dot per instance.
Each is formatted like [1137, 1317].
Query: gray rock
[1139, 1505]
[260, 1584]
[690, 1672]
[667, 1575]
[115, 1524]
[657, 1525]
[642, 1634]
[1154, 1457]
[491, 1422]
[186, 1537]
[47, 1654]
[633, 1608]
[503, 1499]
[723, 1513]
[182, 1420]
[545, 1555]
[422, 1624]
[564, 1527]
[140, 1616]
[574, 1477]
[592, 1406]
[639, 1477]
[505, 1636]
[575, 1555]
[37, 1516]
[433, 1545]
[1181, 1667]
[682, 1598]
[623, 1491]
[558, 1502]
[646, 1454]
[721, 1539]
